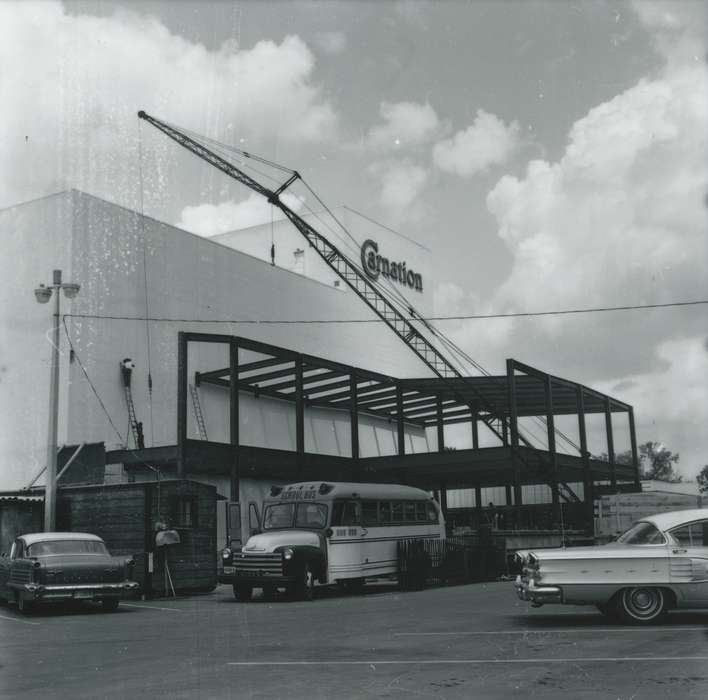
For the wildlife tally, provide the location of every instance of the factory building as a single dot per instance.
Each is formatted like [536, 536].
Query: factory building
[188, 357]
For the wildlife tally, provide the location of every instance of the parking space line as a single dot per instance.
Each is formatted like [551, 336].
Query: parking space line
[151, 607]
[432, 662]
[17, 619]
[594, 630]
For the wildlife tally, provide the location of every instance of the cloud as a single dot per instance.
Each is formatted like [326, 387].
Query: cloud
[212, 219]
[401, 184]
[685, 375]
[404, 124]
[486, 142]
[71, 85]
[331, 43]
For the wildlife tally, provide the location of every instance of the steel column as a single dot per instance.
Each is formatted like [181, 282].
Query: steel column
[234, 418]
[354, 422]
[635, 455]
[182, 366]
[588, 482]
[610, 443]
[399, 418]
[299, 417]
[551, 431]
[514, 429]
[440, 425]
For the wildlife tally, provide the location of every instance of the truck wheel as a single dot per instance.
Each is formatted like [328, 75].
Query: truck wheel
[641, 605]
[304, 587]
[243, 592]
[110, 604]
[24, 606]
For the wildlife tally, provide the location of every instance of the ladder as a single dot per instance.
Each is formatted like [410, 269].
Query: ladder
[131, 415]
[198, 415]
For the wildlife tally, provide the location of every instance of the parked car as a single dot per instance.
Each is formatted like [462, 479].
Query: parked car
[61, 566]
[660, 563]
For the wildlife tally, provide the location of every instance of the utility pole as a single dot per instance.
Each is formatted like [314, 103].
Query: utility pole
[43, 294]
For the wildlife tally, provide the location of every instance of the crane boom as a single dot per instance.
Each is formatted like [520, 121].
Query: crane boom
[343, 266]
[339, 262]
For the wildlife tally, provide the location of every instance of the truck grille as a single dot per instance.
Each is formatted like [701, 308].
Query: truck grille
[258, 564]
[20, 574]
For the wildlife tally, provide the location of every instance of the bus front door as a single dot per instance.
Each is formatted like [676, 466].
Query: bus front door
[346, 544]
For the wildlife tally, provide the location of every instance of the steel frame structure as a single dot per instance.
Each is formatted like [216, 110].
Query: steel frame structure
[305, 380]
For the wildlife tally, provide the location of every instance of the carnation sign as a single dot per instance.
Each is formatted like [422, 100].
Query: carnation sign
[374, 265]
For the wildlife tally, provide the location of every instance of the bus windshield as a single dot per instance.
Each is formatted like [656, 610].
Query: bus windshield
[290, 515]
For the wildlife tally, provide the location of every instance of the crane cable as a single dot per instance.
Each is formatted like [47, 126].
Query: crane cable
[145, 279]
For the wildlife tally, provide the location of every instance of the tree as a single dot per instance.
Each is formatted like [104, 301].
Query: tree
[702, 479]
[657, 462]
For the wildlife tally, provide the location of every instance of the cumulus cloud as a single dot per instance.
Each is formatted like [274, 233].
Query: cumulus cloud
[212, 219]
[401, 184]
[70, 86]
[404, 124]
[684, 374]
[487, 141]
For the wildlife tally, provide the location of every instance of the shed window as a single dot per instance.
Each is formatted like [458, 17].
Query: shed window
[185, 511]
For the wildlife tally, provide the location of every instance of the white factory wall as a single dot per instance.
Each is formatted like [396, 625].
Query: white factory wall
[100, 246]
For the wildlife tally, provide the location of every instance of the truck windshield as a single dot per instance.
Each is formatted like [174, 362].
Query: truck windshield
[43, 549]
[301, 515]
[642, 533]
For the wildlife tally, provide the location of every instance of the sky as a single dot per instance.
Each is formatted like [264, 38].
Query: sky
[552, 155]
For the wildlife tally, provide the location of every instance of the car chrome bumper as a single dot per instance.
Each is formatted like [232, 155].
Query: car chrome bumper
[79, 591]
[528, 591]
[232, 575]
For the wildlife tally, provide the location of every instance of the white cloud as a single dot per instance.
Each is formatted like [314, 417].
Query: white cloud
[331, 43]
[404, 124]
[401, 184]
[685, 375]
[486, 142]
[71, 85]
[212, 219]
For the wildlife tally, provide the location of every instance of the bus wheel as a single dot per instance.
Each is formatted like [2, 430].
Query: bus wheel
[304, 588]
[243, 592]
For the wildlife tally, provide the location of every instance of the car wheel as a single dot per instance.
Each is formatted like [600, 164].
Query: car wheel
[305, 587]
[243, 592]
[639, 605]
[110, 604]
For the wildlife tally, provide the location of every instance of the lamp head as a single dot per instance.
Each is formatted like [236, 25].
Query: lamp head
[71, 289]
[43, 294]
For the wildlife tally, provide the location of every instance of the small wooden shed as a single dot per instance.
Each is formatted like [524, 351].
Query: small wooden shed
[129, 516]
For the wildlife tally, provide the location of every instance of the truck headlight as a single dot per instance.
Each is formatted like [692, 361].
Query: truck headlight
[225, 553]
[288, 553]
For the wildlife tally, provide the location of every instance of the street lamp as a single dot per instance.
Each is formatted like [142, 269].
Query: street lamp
[43, 294]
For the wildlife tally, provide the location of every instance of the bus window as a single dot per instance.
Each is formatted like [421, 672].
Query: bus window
[409, 511]
[311, 515]
[369, 509]
[432, 513]
[346, 513]
[420, 511]
[397, 512]
[385, 512]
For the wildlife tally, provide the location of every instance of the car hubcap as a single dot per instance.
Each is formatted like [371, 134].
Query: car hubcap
[644, 603]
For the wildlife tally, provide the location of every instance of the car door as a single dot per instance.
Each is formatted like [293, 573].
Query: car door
[688, 552]
[6, 566]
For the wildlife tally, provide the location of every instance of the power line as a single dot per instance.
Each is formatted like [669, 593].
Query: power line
[465, 317]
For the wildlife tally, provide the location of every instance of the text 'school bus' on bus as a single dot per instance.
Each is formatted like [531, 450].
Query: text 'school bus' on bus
[319, 533]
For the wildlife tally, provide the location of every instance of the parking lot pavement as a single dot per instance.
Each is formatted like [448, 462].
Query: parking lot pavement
[458, 642]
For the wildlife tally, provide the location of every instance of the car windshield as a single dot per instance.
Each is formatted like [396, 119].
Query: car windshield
[303, 515]
[43, 549]
[642, 533]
